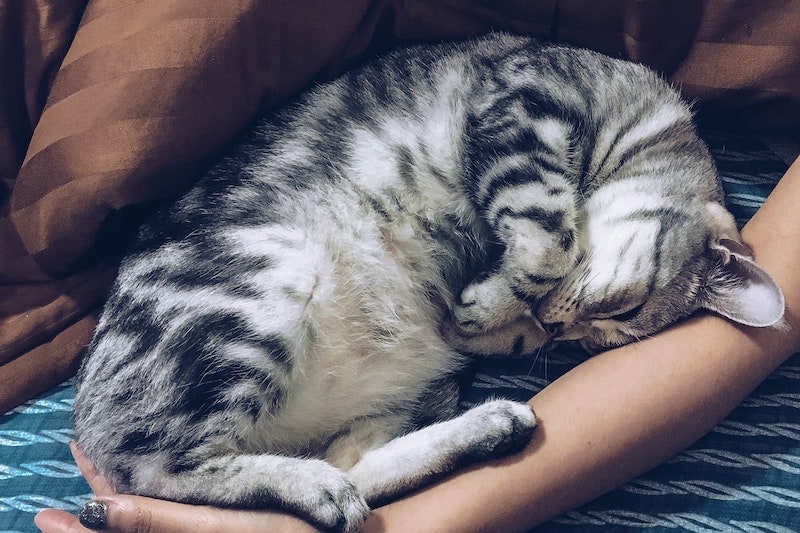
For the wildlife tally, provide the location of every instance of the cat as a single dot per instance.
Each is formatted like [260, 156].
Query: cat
[288, 334]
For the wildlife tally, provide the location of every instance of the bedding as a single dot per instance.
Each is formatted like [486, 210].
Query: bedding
[107, 108]
[744, 476]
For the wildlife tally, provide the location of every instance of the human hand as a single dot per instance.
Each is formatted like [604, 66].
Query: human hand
[125, 513]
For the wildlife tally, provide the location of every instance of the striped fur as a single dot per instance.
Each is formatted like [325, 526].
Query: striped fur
[299, 308]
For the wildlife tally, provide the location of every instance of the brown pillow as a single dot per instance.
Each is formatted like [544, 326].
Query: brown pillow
[733, 56]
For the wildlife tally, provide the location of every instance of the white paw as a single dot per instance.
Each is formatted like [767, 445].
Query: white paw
[327, 497]
[504, 425]
[486, 305]
[524, 336]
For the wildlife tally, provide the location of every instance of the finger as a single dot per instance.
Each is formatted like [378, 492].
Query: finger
[58, 521]
[128, 514]
[96, 481]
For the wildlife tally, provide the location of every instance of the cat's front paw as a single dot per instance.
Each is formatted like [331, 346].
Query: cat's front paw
[486, 305]
[328, 498]
[524, 336]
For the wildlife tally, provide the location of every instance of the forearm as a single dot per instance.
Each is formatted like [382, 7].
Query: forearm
[624, 411]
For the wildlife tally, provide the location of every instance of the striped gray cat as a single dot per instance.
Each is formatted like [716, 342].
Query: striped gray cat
[278, 337]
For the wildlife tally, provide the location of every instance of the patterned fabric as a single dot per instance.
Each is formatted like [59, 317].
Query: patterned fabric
[744, 476]
[36, 468]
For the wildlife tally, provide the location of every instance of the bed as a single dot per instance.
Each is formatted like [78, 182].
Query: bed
[93, 131]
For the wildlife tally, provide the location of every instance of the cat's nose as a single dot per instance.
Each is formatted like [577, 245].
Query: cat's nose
[554, 329]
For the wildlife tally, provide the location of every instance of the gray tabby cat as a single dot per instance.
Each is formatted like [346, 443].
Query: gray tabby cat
[275, 338]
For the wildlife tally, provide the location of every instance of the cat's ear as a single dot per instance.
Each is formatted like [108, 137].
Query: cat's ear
[737, 288]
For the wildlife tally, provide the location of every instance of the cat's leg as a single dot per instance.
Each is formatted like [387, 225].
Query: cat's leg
[490, 430]
[493, 314]
[538, 255]
[523, 185]
[310, 488]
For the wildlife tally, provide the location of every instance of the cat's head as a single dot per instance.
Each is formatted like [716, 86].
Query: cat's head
[630, 285]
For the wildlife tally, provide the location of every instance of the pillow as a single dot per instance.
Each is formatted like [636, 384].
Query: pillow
[734, 57]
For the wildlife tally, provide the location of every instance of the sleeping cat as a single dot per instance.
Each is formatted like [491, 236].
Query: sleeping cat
[272, 334]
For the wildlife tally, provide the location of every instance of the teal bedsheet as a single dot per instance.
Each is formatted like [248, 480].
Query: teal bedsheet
[36, 468]
[744, 476]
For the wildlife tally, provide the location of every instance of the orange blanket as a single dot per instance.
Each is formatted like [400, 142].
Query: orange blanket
[107, 107]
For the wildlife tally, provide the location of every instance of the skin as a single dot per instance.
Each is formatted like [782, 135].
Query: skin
[608, 420]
